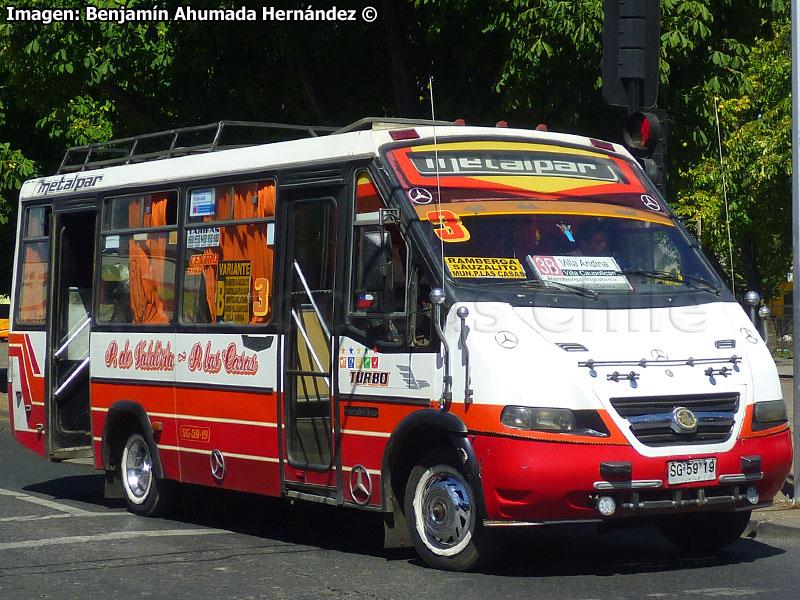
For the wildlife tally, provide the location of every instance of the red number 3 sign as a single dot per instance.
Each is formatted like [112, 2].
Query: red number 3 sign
[448, 226]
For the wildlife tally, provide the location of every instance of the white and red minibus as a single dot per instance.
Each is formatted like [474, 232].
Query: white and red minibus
[464, 328]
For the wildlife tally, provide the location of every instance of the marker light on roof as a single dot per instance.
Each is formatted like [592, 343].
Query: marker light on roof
[404, 134]
[602, 145]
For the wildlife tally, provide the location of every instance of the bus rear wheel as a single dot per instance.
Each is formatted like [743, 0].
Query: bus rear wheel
[145, 493]
[704, 532]
[442, 515]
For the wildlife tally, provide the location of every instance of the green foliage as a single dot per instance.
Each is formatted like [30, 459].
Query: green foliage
[755, 133]
[14, 168]
[526, 61]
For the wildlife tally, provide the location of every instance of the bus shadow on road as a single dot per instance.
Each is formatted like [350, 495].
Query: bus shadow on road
[582, 550]
[296, 523]
[80, 488]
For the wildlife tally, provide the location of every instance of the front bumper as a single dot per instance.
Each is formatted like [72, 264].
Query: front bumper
[527, 481]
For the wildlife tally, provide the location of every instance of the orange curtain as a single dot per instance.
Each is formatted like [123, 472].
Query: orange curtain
[146, 263]
[222, 212]
[32, 302]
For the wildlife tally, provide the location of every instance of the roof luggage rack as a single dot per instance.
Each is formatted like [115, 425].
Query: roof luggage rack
[182, 141]
[199, 139]
[388, 123]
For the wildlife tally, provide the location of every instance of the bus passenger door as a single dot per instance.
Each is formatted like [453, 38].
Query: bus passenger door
[308, 312]
[67, 411]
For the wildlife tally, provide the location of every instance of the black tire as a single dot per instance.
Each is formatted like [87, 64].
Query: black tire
[144, 492]
[704, 532]
[442, 515]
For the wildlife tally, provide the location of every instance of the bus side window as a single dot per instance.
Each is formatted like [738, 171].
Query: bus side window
[228, 266]
[379, 283]
[35, 250]
[379, 266]
[138, 249]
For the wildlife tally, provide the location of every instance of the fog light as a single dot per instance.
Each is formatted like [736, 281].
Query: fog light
[606, 506]
[752, 495]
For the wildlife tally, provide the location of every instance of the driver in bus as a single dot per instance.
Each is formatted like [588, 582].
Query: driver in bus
[592, 240]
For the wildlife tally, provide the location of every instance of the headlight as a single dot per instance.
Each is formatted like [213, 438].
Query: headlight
[560, 420]
[768, 414]
[538, 419]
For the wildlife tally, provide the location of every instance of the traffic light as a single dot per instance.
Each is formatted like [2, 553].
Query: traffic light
[645, 135]
[631, 38]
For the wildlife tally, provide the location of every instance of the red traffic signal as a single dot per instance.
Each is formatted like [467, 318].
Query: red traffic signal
[642, 132]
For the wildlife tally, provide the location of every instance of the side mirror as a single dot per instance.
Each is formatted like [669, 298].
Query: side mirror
[376, 268]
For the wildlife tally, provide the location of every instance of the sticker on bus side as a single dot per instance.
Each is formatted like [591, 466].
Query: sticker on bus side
[202, 203]
[204, 237]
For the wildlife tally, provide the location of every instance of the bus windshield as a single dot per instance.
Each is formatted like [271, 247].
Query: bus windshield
[562, 245]
[562, 216]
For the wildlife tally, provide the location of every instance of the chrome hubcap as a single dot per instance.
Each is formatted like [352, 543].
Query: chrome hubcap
[446, 511]
[138, 468]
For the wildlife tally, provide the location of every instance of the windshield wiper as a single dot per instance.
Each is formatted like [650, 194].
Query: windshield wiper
[541, 283]
[682, 279]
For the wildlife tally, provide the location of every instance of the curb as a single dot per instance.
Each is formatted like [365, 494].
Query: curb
[768, 529]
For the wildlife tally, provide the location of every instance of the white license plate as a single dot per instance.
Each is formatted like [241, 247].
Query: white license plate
[684, 471]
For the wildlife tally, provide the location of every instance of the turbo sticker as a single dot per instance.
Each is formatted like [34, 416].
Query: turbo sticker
[476, 266]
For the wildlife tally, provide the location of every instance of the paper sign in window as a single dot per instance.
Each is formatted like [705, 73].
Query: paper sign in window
[233, 291]
[477, 266]
[203, 237]
[202, 203]
[596, 272]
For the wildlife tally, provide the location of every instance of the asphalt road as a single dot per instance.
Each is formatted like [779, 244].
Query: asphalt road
[60, 539]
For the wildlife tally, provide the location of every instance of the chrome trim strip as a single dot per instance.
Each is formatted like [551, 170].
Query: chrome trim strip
[322, 322]
[81, 367]
[643, 422]
[637, 484]
[488, 523]
[741, 477]
[63, 348]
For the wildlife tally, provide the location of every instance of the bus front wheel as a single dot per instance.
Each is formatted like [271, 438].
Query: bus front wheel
[442, 514]
[145, 494]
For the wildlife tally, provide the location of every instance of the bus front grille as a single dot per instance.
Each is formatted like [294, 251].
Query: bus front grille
[653, 423]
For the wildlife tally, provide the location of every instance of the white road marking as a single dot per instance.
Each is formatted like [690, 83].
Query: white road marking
[105, 537]
[42, 502]
[63, 516]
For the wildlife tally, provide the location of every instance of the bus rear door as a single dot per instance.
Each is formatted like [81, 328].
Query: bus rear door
[67, 411]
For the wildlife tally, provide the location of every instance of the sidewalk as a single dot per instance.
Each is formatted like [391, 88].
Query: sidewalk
[785, 367]
[782, 519]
